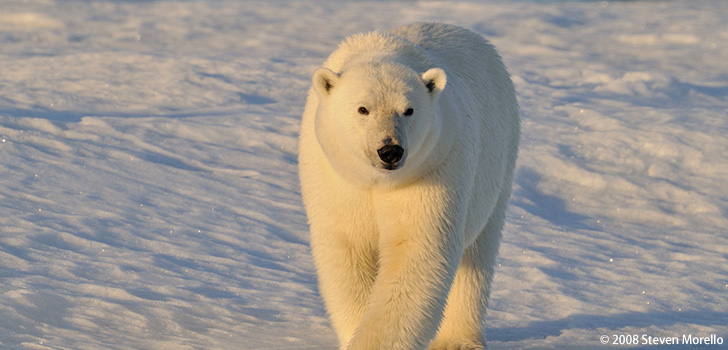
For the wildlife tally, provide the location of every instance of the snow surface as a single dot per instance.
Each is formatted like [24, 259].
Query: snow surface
[149, 196]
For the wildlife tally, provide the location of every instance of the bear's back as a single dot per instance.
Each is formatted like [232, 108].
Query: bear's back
[458, 50]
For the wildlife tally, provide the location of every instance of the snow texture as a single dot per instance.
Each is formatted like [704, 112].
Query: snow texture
[149, 196]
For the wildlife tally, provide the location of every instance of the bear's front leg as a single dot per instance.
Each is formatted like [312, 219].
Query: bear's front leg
[420, 248]
[346, 271]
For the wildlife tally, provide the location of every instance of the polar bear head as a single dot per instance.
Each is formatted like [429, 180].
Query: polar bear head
[378, 120]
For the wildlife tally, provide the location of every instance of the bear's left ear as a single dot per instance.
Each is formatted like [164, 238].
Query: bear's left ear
[434, 80]
[324, 80]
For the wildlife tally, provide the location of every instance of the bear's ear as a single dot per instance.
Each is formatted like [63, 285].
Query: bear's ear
[434, 80]
[324, 80]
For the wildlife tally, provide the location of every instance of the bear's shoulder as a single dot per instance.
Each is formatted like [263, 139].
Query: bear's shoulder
[440, 37]
[375, 46]
[422, 33]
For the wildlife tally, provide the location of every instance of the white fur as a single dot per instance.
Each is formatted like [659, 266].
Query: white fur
[405, 256]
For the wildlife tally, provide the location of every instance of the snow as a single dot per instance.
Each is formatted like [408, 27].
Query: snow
[149, 195]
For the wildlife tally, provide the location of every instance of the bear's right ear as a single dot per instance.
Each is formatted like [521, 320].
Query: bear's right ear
[435, 80]
[324, 80]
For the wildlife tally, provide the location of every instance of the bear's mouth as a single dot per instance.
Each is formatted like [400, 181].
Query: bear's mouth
[387, 166]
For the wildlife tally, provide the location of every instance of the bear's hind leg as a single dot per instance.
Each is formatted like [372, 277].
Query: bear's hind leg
[463, 321]
[461, 328]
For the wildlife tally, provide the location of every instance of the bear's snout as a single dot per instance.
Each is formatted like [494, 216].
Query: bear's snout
[390, 154]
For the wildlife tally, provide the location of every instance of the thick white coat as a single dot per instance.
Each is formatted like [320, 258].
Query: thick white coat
[405, 250]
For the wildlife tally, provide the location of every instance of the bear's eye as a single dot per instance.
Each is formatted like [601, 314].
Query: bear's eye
[408, 112]
[363, 111]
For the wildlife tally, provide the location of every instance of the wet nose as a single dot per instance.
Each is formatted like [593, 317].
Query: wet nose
[390, 154]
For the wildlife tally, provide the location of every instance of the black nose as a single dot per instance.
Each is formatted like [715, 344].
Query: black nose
[390, 154]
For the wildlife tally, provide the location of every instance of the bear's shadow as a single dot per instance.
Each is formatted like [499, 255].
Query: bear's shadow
[530, 198]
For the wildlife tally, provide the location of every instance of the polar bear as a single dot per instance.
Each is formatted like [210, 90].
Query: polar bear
[407, 149]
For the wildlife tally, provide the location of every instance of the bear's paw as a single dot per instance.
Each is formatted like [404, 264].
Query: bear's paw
[457, 345]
